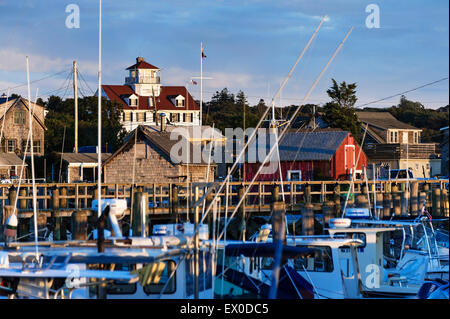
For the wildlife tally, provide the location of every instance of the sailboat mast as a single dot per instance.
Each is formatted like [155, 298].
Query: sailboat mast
[99, 152]
[30, 123]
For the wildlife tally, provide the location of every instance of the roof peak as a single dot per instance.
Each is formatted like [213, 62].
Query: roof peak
[141, 64]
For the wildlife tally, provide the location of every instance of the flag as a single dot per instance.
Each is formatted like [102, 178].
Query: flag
[193, 82]
[203, 53]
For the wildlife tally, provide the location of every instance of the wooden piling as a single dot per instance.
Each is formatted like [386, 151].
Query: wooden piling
[174, 203]
[79, 224]
[445, 203]
[397, 200]
[362, 201]
[63, 198]
[55, 214]
[387, 203]
[414, 198]
[436, 211]
[23, 200]
[308, 220]
[328, 213]
[337, 199]
[308, 198]
[12, 194]
[140, 204]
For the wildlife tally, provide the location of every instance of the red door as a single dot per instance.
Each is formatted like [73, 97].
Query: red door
[349, 157]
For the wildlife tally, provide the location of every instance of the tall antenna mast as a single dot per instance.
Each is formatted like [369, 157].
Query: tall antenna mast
[99, 132]
[75, 97]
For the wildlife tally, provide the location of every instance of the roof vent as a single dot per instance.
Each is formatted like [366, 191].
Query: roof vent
[139, 59]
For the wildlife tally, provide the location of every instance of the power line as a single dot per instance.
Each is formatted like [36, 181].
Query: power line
[419, 87]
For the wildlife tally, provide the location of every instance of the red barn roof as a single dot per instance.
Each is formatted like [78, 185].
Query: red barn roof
[165, 101]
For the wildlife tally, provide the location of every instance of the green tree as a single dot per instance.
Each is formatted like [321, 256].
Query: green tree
[340, 112]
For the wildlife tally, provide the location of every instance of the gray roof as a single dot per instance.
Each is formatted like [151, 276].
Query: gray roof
[383, 120]
[83, 157]
[163, 142]
[10, 159]
[309, 146]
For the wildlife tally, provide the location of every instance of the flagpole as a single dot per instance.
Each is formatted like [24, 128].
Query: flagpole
[99, 115]
[201, 83]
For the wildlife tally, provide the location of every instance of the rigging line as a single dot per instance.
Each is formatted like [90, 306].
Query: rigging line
[84, 80]
[68, 86]
[61, 87]
[419, 87]
[261, 120]
[34, 81]
[290, 121]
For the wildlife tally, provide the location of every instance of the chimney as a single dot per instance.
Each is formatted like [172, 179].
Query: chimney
[163, 122]
[139, 59]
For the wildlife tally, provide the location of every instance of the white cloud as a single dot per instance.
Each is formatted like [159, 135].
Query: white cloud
[15, 60]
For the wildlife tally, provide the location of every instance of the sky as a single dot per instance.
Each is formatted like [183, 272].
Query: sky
[250, 45]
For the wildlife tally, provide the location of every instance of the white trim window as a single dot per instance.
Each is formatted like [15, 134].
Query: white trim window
[393, 136]
[294, 176]
[179, 101]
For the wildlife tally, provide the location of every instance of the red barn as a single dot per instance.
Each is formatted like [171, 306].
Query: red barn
[319, 155]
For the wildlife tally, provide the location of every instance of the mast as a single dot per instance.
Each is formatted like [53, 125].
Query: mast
[201, 84]
[30, 124]
[75, 97]
[99, 132]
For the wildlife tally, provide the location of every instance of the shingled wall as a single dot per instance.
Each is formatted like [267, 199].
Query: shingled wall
[152, 166]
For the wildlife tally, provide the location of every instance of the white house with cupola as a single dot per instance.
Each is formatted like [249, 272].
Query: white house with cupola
[144, 99]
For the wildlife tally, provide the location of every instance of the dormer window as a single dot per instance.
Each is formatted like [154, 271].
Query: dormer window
[179, 101]
[132, 100]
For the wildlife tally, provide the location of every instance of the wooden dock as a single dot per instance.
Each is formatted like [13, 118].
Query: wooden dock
[62, 202]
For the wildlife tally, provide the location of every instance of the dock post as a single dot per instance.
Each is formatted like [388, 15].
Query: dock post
[436, 202]
[174, 204]
[397, 201]
[328, 213]
[422, 201]
[308, 198]
[140, 204]
[404, 199]
[308, 220]
[23, 200]
[12, 195]
[55, 214]
[387, 203]
[414, 198]
[337, 199]
[427, 190]
[361, 201]
[63, 197]
[445, 204]
[79, 225]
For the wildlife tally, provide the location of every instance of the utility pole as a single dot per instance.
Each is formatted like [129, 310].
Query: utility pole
[75, 97]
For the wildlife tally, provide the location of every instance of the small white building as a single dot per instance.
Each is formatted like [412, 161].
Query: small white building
[144, 99]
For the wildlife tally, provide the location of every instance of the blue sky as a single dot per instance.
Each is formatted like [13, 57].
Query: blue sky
[250, 45]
